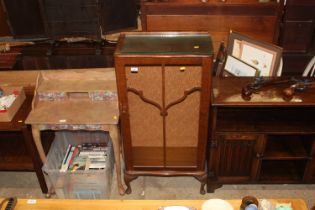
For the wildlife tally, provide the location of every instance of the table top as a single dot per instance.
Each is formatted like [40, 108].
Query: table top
[83, 112]
[53, 204]
[75, 98]
[227, 91]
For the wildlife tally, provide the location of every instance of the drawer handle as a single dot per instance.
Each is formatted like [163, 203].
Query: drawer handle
[204, 1]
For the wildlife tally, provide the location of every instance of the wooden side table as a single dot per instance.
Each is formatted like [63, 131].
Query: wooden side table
[90, 112]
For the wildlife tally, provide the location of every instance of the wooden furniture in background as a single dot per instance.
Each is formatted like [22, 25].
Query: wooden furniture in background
[4, 28]
[264, 140]
[24, 18]
[87, 18]
[11, 135]
[57, 18]
[63, 55]
[163, 84]
[51, 204]
[74, 108]
[9, 59]
[250, 17]
[298, 35]
[17, 146]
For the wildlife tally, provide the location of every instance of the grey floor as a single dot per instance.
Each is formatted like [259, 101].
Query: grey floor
[24, 185]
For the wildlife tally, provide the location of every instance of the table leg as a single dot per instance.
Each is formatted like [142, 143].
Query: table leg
[114, 134]
[38, 142]
[35, 157]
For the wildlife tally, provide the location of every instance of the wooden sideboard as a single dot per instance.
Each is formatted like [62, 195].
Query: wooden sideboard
[263, 140]
[251, 17]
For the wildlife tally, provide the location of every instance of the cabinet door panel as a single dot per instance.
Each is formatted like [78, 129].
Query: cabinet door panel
[182, 101]
[145, 119]
[236, 157]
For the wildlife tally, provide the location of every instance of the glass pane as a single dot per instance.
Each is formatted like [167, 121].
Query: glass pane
[167, 43]
[182, 120]
[146, 123]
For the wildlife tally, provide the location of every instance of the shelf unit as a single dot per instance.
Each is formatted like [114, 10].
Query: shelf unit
[268, 140]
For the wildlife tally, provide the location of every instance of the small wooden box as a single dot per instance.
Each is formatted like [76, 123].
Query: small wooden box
[7, 115]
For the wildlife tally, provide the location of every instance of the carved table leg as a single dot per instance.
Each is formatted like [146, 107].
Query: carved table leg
[38, 142]
[128, 178]
[203, 180]
[114, 134]
[35, 157]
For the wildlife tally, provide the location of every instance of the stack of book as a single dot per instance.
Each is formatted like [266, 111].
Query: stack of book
[87, 156]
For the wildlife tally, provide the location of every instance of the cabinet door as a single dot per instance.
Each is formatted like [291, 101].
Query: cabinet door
[164, 116]
[182, 105]
[236, 157]
[144, 94]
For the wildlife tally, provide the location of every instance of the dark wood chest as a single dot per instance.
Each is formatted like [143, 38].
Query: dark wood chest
[251, 17]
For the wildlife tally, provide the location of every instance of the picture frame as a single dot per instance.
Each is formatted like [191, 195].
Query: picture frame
[236, 67]
[263, 56]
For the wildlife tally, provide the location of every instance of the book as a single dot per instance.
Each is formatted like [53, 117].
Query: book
[66, 159]
[84, 157]
[79, 163]
[74, 154]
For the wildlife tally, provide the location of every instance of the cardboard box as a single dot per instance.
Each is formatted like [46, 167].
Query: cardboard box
[7, 115]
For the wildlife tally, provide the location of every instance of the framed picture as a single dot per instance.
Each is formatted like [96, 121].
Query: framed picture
[239, 68]
[263, 56]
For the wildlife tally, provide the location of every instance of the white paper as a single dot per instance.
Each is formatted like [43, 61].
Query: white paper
[238, 68]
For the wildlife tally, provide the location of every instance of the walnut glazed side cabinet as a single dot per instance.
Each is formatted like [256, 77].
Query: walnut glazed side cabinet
[164, 84]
